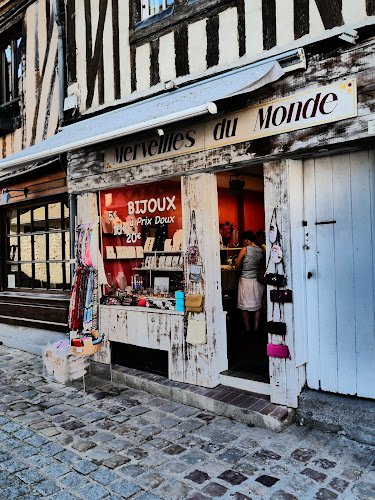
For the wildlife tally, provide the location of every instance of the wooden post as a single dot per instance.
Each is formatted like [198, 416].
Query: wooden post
[203, 364]
[283, 190]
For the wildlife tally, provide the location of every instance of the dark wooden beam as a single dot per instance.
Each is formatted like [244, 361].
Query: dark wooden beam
[116, 49]
[370, 7]
[301, 18]
[181, 50]
[269, 23]
[330, 12]
[241, 27]
[71, 41]
[154, 61]
[212, 31]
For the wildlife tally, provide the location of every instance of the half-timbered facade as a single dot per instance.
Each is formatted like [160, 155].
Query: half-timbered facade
[35, 274]
[168, 103]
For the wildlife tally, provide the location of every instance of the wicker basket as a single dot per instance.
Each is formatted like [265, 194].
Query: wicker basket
[86, 350]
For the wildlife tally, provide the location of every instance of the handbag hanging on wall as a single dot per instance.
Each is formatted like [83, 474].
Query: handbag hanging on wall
[196, 332]
[194, 302]
[282, 296]
[278, 351]
[275, 279]
[276, 327]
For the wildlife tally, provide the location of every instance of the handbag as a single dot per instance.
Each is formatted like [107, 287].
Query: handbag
[194, 302]
[196, 332]
[282, 296]
[274, 279]
[278, 351]
[276, 327]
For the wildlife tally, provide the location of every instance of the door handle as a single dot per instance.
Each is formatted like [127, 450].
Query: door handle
[309, 275]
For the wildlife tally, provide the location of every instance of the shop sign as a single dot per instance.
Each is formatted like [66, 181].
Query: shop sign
[327, 104]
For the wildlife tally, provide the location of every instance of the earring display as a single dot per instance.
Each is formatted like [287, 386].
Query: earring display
[149, 244]
[110, 253]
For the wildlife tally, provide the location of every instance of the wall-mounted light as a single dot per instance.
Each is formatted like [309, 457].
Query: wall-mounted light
[160, 131]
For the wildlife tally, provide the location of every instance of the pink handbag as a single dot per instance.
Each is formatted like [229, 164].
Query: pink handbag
[278, 351]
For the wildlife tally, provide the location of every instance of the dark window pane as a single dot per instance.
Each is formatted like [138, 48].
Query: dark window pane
[56, 276]
[12, 222]
[54, 216]
[40, 280]
[55, 247]
[25, 220]
[39, 215]
[40, 247]
[26, 276]
[19, 67]
[13, 248]
[25, 248]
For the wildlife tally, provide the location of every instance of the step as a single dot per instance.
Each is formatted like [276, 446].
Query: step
[243, 406]
[349, 416]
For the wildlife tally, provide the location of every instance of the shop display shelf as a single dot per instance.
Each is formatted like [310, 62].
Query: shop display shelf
[177, 269]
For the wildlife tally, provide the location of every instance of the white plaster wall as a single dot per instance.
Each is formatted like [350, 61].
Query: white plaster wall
[125, 76]
[353, 11]
[142, 57]
[228, 36]
[54, 112]
[197, 46]
[285, 25]
[253, 26]
[167, 66]
[316, 24]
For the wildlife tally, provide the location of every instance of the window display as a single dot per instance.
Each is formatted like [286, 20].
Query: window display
[142, 242]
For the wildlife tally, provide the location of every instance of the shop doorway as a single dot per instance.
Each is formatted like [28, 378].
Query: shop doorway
[241, 208]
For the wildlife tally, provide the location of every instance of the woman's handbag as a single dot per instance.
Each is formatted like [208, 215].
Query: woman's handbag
[278, 351]
[274, 279]
[276, 327]
[282, 296]
[194, 302]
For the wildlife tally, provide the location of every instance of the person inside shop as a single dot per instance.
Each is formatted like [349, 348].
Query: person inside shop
[250, 291]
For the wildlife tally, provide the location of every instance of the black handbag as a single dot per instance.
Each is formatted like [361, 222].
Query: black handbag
[274, 279]
[281, 296]
[276, 328]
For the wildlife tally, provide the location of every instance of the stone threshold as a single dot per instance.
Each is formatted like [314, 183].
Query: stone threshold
[243, 406]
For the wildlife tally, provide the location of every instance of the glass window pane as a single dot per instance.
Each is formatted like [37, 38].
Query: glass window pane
[39, 215]
[56, 276]
[13, 248]
[25, 220]
[12, 222]
[40, 280]
[26, 276]
[54, 216]
[169, 2]
[155, 6]
[19, 66]
[55, 246]
[25, 248]
[40, 247]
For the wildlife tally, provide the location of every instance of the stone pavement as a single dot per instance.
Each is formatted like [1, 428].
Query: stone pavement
[113, 442]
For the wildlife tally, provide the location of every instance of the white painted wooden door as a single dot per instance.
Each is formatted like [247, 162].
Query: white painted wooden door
[339, 207]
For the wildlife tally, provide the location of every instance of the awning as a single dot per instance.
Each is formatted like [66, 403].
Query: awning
[176, 105]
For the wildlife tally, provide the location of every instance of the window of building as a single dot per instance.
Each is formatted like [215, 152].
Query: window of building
[11, 73]
[153, 7]
[38, 247]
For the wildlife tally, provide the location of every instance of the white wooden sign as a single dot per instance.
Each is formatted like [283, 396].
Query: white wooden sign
[307, 109]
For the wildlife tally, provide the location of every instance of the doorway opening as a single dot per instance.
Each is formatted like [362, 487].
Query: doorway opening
[241, 208]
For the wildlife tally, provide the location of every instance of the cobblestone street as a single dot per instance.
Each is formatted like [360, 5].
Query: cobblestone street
[60, 443]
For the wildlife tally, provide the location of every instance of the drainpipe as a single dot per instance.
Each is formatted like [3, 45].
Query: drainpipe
[61, 59]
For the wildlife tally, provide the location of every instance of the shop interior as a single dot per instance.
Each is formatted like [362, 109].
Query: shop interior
[241, 208]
